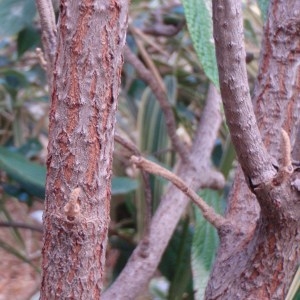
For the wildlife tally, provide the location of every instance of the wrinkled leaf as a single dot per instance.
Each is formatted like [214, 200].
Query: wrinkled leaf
[15, 15]
[199, 20]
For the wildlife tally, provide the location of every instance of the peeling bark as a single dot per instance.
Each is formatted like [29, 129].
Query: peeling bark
[86, 80]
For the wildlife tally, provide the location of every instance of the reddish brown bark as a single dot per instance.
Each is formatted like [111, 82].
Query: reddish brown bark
[85, 88]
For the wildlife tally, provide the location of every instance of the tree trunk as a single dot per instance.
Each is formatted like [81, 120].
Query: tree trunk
[258, 261]
[86, 80]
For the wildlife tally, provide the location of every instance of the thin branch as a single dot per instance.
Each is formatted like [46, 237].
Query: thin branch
[127, 144]
[148, 195]
[161, 96]
[47, 17]
[170, 209]
[147, 60]
[230, 51]
[21, 225]
[160, 29]
[208, 212]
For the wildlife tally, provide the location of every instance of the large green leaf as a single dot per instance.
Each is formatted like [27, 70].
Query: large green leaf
[15, 15]
[32, 176]
[28, 38]
[263, 6]
[29, 175]
[123, 185]
[205, 242]
[199, 20]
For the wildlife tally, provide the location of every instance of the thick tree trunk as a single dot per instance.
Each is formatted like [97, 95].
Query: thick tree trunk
[85, 88]
[258, 261]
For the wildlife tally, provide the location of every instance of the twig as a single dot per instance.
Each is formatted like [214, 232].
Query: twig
[148, 61]
[241, 120]
[161, 96]
[47, 17]
[148, 195]
[21, 225]
[159, 28]
[170, 209]
[208, 212]
[127, 144]
[41, 58]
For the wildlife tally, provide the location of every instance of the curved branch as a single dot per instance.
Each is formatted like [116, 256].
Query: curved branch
[230, 51]
[146, 180]
[161, 96]
[21, 225]
[47, 17]
[208, 212]
[170, 209]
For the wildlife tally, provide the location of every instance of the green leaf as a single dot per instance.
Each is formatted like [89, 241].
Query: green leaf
[205, 242]
[263, 6]
[29, 175]
[32, 176]
[13, 81]
[15, 15]
[199, 20]
[123, 185]
[154, 140]
[28, 38]
[31, 148]
[175, 264]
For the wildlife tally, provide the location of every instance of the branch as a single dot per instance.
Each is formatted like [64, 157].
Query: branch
[170, 210]
[148, 195]
[21, 225]
[208, 212]
[230, 52]
[47, 17]
[161, 96]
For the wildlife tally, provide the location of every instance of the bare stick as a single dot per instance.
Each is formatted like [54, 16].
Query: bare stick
[171, 207]
[230, 51]
[21, 225]
[47, 17]
[161, 96]
[208, 212]
[127, 144]
[148, 195]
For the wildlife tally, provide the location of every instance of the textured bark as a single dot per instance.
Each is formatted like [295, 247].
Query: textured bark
[231, 57]
[259, 260]
[85, 88]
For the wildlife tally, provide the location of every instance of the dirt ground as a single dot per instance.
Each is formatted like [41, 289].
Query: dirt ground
[18, 279]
